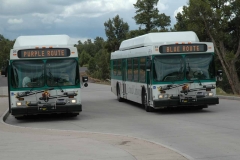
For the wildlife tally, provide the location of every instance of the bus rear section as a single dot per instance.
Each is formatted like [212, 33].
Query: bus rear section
[44, 78]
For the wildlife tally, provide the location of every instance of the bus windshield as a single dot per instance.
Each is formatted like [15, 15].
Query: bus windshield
[27, 74]
[174, 68]
[31, 74]
[61, 72]
[199, 67]
[169, 68]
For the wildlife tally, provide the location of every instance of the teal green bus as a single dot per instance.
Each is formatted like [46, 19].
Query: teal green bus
[165, 69]
[43, 76]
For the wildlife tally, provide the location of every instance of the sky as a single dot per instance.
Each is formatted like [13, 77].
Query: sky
[80, 19]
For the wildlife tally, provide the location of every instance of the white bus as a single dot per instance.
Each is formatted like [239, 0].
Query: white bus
[165, 69]
[43, 76]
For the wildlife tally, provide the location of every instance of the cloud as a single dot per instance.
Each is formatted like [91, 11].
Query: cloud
[76, 18]
[74, 40]
[162, 6]
[96, 8]
[48, 18]
[180, 9]
[15, 21]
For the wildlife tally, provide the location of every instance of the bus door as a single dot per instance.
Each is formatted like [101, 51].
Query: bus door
[149, 79]
[124, 75]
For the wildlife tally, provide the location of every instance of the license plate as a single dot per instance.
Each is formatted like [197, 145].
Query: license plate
[185, 101]
[43, 108]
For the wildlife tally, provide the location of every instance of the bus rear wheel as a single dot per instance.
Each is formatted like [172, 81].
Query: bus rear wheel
[144, 102]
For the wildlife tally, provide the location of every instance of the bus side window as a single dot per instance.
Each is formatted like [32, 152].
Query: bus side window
[130, 70]
[115, 65]
[119, 67]
[142, 69]
[135, 70]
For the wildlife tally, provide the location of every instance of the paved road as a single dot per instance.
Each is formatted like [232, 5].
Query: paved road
[210, 134]
[27, 143]
[83, 69]
[3, 81]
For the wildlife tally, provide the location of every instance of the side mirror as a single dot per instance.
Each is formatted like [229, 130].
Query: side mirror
[84, 79]
[219, 75]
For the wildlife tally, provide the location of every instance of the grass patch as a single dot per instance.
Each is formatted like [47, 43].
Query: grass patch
[219, 91]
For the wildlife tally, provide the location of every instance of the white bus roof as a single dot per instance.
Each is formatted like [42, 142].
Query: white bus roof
[42, 41]
[159, 38]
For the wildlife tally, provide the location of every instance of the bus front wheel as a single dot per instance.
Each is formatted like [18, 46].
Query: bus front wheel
[144, 102]
[119, 98]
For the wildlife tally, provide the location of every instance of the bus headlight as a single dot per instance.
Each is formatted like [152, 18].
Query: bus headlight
[19, 103]
[161, 96]
[210, 94]
[73, 101]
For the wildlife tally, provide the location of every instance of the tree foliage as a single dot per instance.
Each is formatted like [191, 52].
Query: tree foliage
[116, 30]
[87, 46]
[84, 58]
[5, 47]
[95, 56]
[92, 66]
[99, 66]
[217, 21]
[147, 14]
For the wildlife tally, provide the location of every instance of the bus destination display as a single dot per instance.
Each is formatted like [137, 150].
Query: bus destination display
[183, 48]
[41, 53]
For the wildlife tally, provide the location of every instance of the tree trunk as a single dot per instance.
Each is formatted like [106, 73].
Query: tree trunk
[229, 66]
[229, 69]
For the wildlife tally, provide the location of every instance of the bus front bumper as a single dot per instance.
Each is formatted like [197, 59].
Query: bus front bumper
[33, 110]
[163, 103]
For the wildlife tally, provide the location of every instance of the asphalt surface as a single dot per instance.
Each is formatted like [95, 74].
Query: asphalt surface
[207, 127]
[3, 81]
[27, 143]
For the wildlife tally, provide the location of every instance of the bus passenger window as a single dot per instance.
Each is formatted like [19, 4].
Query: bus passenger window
[130, 70]
[142, 70]
[135, 70]
[115, 67]
[119, 67]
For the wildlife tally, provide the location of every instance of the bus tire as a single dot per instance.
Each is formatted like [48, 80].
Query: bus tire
[144, 102]
[73, 114]
[201, 107]
[19, 117]
[119, 98]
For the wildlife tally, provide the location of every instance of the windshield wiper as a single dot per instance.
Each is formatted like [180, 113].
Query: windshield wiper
[200, 84]
[59, 87]
[28, 93]
[51, 75]
[171, 86]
